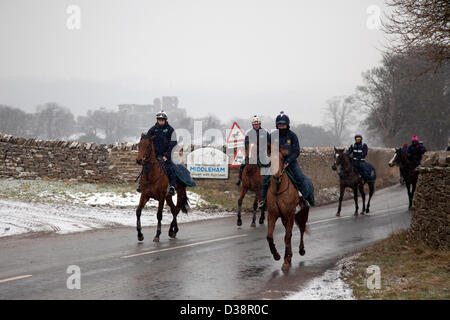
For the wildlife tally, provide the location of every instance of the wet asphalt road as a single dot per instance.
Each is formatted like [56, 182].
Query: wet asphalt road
[211, 259]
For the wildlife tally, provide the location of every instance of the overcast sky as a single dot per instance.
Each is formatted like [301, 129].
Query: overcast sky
[227, 58]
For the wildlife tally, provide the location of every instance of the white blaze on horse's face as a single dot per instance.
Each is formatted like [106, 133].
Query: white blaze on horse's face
[391, 163]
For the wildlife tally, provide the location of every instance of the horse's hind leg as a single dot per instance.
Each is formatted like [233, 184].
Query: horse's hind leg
[141, 205]
[408, 185]
[271, 220]
[341, 197]
[363, 197]
[173, 230]
[355, 197]
[255, 206]
[258, 199]
[241, 198]
[371, 192]
[287, 242]
[159, 217]
[302, 218]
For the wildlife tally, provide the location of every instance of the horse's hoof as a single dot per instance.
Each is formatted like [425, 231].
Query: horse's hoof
[277, 256]
[302, 252]
[141, 237]
[253, 225]
[285, 266]
[261, 221]
[367, 210]
[156, 239]
[356, 214]
[338, 214]
[362, 212]
[239, 222]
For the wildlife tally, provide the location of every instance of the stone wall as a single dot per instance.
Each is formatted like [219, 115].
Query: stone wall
[62, 160]
[431, 217]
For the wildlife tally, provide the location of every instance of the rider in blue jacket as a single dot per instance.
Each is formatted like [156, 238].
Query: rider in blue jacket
[358, 152]
[164, 142]
[287, 141]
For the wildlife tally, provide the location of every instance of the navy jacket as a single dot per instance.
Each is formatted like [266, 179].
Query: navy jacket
[358, 151]
[415, 152]
[289, 141]
[163, 139]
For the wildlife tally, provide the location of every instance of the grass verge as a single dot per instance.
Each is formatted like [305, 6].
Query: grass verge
[409, 270]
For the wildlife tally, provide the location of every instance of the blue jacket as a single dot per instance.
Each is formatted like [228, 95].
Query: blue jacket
[415, 152]
[163, 139]
[358, 151]
[289, 141]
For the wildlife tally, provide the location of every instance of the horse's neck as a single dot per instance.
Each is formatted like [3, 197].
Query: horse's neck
[348, 167]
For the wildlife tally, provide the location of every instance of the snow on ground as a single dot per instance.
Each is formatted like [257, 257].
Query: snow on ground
[18, 217]
[329, 286]
[61, 207]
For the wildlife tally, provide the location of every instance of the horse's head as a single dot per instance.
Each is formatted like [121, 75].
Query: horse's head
[339, 158]
[396, 158]
[145, 150]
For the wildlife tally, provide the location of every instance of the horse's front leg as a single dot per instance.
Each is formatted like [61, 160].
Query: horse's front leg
[287, 242]
[363, 197]
[355, 197]
[143, 200]
[413, 190]
[408, 186]
[241, 198]
[173, 230]
[341, 196]
[159, 217]
[258, 200]
[271, 220]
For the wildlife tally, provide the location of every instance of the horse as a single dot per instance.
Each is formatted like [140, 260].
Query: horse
[407, 171]
[282, 200]
[251, 180]
[349, 178]
[154, 184]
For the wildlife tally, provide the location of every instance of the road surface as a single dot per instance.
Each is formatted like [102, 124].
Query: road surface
[210, 259]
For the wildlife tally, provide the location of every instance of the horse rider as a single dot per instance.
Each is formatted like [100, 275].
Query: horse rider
[357, 153]
[415, 150]
[288, 141]
[260, 136]
[164, 143]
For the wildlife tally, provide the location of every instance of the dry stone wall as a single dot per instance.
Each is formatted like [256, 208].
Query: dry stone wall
[431, 217]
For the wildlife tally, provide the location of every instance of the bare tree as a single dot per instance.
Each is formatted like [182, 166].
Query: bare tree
[338, 115]
[421, 26]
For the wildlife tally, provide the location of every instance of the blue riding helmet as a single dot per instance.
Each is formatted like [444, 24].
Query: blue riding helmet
[358, 135]
[282, 119]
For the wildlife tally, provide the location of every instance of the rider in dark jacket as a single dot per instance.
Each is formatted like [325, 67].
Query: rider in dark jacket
[358, 152]
[164, 142]
[288, 141]
[415, 150]
[259, 136]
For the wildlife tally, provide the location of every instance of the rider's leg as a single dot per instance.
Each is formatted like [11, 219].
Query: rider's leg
[169, 169]
[296, 171]
[241, 169]
[265, 187]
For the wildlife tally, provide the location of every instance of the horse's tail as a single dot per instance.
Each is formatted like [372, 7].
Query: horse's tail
[185, 203]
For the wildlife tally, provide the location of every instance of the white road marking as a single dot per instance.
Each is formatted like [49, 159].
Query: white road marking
[183, 246]
[16, 278]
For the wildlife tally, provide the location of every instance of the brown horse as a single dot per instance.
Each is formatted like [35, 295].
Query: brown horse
[407, 171]
[154, 184]
[348, 178]
[282, 200]
[251, 180]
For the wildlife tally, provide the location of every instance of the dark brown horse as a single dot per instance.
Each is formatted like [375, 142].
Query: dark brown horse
[282, 200]
[407, 171]
[251, 180]
[154, 184]
[348, 178]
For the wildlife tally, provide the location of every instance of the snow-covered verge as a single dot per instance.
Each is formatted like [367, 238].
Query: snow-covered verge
[61, 207]
[328, 286]
[17, 217]
[105, 195]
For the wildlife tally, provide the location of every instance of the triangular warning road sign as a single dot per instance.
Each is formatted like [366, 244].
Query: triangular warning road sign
[238, 158]
[236, 133]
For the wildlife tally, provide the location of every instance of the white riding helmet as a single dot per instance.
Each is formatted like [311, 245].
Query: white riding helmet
[161, 115]
[256, 120]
